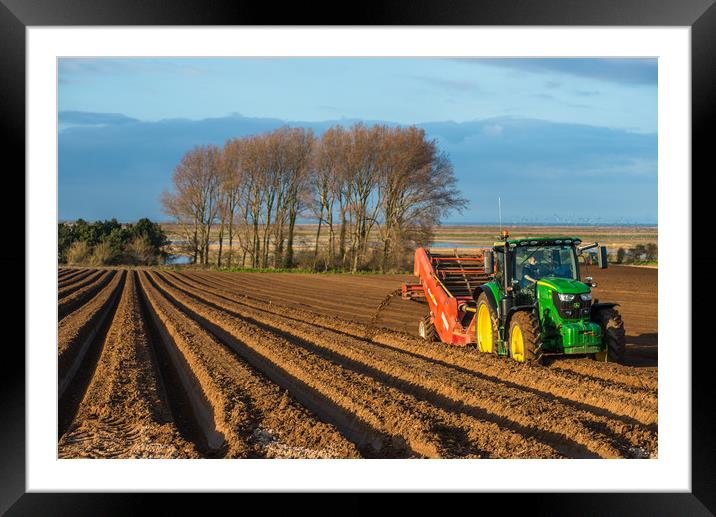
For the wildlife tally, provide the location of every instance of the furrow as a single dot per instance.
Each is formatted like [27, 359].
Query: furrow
[65, 286]
[251, 414]
[330, 301]
[610, 372]
[81, 296]
[80, 345]
[124, 412]
[77, 331]
[72, 273]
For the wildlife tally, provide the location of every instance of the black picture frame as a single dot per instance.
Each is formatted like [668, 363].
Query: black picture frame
[700, 15]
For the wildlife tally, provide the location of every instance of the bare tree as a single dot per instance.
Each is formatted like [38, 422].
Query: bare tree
[361, 175]
[298, 166]
[326, 184]
[210, 182]
[195, 198]
[255, 167]
[416, 198]
[233, 181]
[405, 162]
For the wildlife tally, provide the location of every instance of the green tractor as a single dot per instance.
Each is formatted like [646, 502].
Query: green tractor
[535, 303]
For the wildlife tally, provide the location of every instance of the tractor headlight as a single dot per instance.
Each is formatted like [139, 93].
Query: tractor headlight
[572, 306]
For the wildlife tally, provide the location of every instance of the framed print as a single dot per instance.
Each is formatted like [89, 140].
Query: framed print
[415, 253]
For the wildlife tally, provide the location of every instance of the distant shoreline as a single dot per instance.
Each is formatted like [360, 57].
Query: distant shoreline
[507, 225]
[463, 225]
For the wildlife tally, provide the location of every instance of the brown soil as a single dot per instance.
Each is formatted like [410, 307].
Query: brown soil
[206, 364]
[68, 273]
[77, 331]
[356, 298]
[80, 296]
[71, 278]
[246, 414]
[124, 412]
[463, 378]
[561, 380]
[76, 283]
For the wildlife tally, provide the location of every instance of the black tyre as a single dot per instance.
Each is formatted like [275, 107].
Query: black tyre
[613, 331]
[523, 341]
[487, 326]
[426, 329]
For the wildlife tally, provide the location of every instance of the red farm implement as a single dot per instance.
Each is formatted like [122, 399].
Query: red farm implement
[448, 283]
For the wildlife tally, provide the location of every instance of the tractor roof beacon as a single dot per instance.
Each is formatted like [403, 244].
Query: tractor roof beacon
[522, 298]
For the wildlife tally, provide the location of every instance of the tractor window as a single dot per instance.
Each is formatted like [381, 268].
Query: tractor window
[499, 257]
[543, 261]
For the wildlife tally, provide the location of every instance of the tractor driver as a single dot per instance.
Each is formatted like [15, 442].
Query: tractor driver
[530, 271]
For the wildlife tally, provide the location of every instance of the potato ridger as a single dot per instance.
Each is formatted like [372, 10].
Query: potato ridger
[522, 298]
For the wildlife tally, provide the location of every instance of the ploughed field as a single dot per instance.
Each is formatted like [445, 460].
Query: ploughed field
[189, 364]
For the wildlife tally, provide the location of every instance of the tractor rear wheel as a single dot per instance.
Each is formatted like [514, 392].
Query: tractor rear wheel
[426, 329]
[613, 331]
[487, 329]
[524, 338]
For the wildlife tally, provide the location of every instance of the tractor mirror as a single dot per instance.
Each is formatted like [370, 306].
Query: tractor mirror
[489, 262]
[602, 257]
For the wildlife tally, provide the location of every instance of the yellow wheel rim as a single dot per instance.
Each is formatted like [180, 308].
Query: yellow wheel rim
[601, 356]
[484, 329]
[517, 345]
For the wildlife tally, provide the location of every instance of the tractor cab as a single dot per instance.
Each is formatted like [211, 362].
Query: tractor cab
[520, 264]
[532, 262]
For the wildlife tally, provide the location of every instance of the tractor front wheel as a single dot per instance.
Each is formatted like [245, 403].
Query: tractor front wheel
[426, 329]
[613, 331]
[524, 338]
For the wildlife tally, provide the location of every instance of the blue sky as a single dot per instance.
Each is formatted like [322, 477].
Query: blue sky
[530, 130]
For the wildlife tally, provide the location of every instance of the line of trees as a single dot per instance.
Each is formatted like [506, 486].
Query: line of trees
[110, 242]
[640, 253]
[374, 192]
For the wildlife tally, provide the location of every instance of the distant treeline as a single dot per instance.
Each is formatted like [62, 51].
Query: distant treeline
[376, 193]
[640, 253]
[110, 242]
